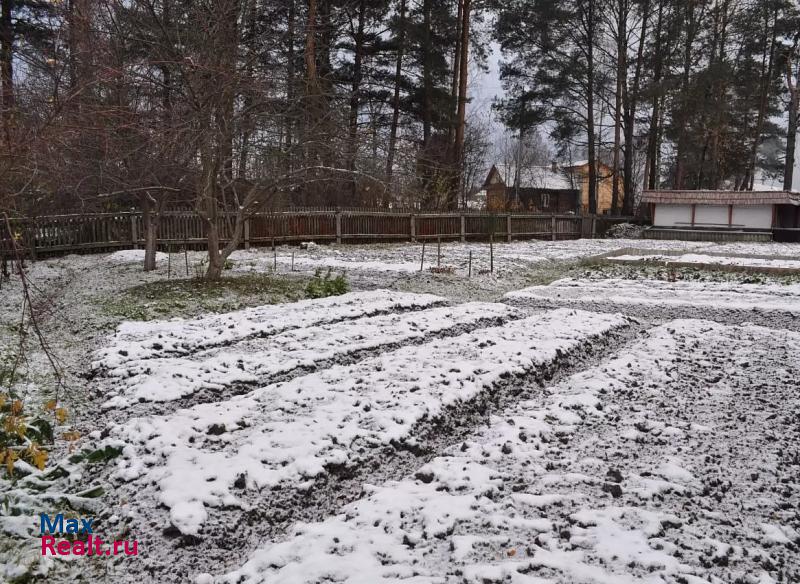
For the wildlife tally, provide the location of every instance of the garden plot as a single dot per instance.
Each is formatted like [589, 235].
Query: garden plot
[407, 258]
[659, 299]
[290, 433]
[144, 340]
[675, 461]
[784, 264]
[258, 359]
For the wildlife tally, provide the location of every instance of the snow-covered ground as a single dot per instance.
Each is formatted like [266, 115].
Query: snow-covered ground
[256, 359]
[660, 293]
[664, 463]
[407, 258]
[709, 260]
[291, 432]
[143, 340]
[727, 301]
[548, 422]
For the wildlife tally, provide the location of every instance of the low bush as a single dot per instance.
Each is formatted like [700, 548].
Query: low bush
[322, 286]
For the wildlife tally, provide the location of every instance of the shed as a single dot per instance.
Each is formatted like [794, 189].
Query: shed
[765, 212]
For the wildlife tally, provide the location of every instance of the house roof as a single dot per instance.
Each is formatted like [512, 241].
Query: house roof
[536, 177]
[721, 197]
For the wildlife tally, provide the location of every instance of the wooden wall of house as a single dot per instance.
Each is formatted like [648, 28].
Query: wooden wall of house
[496, 197]
[604, 189]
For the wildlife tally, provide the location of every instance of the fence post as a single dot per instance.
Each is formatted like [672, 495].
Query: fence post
[553, 227]
[508, 227]
[463, 228]
[413, 227]
[247, 233]
[338, 227]
[134, 235]
[29, 237]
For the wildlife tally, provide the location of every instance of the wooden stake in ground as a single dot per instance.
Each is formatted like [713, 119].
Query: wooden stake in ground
[169, 260]
[470, 264]
[438, 252]
[491, 253]
[422, 261]
[293, 261]
[186, 259]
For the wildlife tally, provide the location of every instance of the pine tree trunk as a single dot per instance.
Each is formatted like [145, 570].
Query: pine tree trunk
[590, 131]
[427, 76]
[682, 120]
[398, 77]
[289, 121]
[622, 79]
[747, 181]
[355, 97]
[653, 170]
[461, 123]
[451, 129]
[631, 102]
[791, 138]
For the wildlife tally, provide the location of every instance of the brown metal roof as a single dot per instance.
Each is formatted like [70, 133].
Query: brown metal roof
[722, 197]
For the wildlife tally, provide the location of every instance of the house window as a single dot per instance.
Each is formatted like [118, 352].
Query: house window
[545, 200]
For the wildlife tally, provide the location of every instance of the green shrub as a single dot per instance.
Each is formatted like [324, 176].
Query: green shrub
[323, 286]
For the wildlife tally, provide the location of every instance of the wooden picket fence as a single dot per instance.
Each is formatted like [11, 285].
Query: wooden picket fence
[56, 235]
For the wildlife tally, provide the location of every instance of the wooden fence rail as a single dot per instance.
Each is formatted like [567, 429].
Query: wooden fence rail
[59, 234]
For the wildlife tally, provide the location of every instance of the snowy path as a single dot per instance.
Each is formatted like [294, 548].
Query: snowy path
[678, 461]
[143, 340]
[295, 431]
[255, 360]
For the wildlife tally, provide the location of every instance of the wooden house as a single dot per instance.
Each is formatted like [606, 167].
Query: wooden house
[547, 189]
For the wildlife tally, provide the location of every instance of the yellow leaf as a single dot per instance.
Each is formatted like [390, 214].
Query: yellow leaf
[50, 405]
[61, 415]
[11, 457]
[10, 424]
[71, 436]
[37, 456]
[16, 407]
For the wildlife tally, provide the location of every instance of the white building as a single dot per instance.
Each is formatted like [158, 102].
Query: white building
[705, 212]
